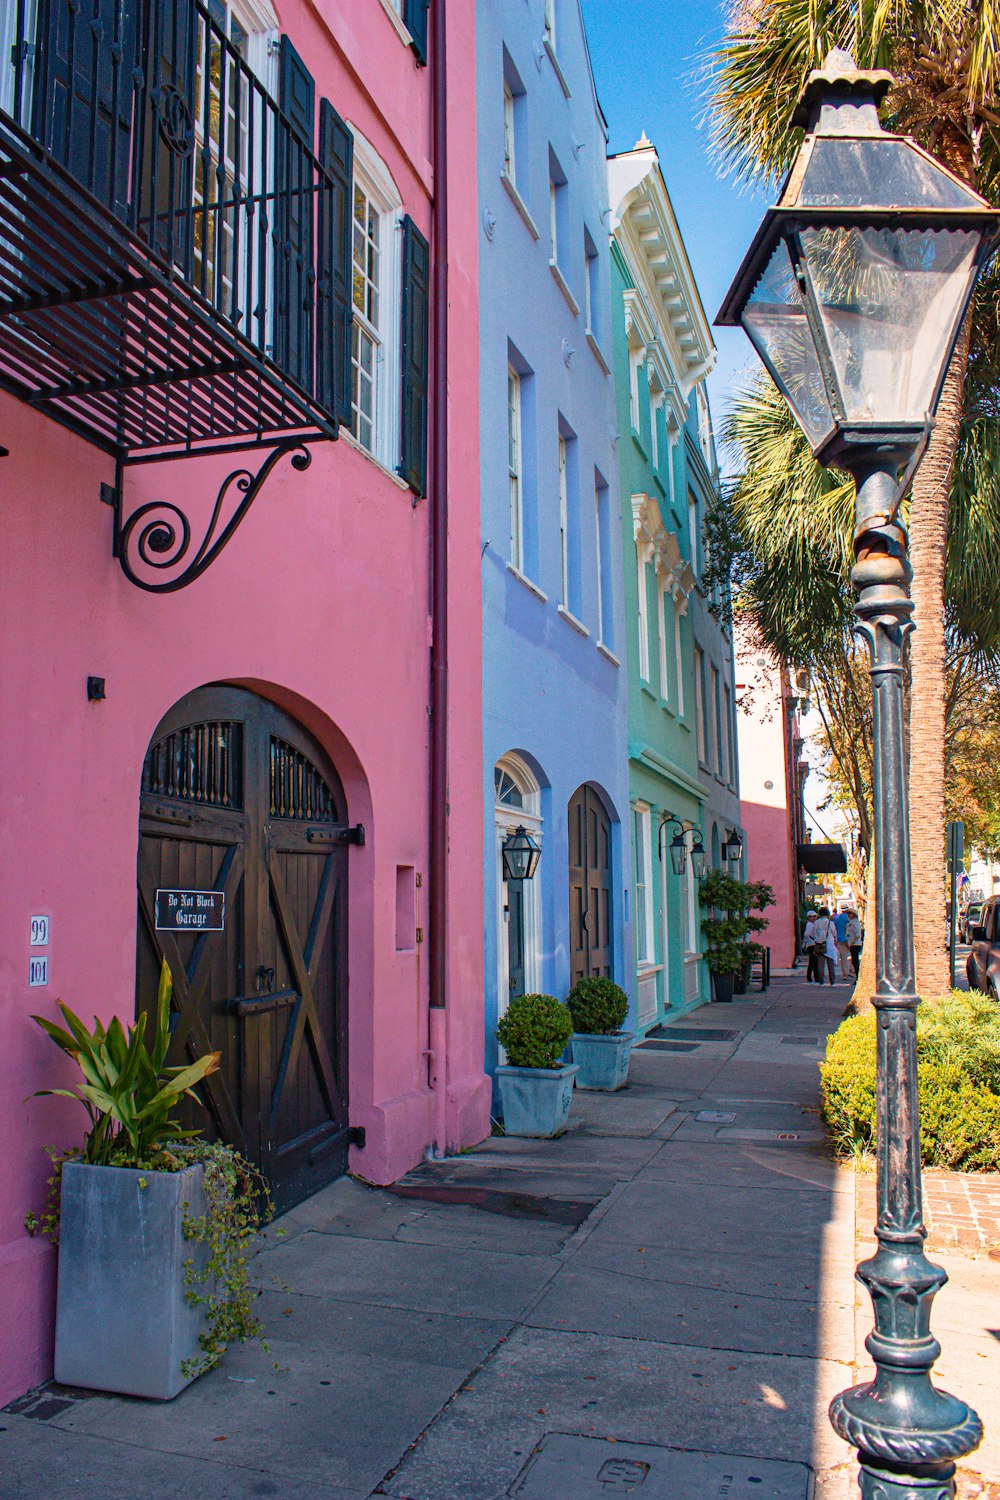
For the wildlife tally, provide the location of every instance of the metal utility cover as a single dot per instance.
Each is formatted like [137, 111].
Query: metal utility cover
[671, 1046]
[695, 1034]
[714, 1117]
[583, 1468]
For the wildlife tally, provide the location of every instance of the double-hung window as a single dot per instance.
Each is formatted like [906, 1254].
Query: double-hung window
[509, 151]
[641, 824]
[515, 467]
[367, 334]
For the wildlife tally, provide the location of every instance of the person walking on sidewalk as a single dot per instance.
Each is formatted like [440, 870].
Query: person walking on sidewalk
[840, 922]
[854, 939]
[832, 952]
[820, 933]
[812, 977]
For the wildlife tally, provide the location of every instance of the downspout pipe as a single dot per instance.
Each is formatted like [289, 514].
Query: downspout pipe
[438, 892]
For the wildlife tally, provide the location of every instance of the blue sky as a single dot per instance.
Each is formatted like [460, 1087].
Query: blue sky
[646, 55]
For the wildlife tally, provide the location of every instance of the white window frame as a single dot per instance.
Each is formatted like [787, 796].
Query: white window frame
[553, 218]
[642, 612]
[563, 523]
[699, 705]
[679, 654]
[661, 635]
[694, 531]
[635, 362]
[372, 176]
[509, 138]
[507, 820]
[549, 23]
[515, 468]
[643, 876]
[691, 934]
[599, 555]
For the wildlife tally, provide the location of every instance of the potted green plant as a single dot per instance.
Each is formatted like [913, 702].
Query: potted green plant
[729, 947]
[536, 1087]
[152, 1222]
[601, 1049]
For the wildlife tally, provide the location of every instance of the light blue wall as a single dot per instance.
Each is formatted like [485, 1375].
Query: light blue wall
[548, 691]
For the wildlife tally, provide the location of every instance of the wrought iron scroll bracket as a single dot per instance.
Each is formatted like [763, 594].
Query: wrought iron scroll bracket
[157, 536]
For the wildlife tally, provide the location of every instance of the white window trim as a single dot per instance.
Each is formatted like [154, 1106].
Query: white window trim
[509, 136]
[507, 820]
[372, 174]
[515, 471]
[679, 655]
[563, 524]
[701, 728]
[643, 821]
[393, 9]
[553, 221]
[641, 558]
[635, 360]
[661, 635]
[599, 556]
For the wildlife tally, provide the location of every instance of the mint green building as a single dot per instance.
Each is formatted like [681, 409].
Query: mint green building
[683, 766]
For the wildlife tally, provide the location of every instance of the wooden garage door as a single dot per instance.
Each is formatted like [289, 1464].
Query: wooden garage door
[237, 798]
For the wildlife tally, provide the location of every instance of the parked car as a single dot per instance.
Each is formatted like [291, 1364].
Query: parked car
[970, 918]
[983, 964]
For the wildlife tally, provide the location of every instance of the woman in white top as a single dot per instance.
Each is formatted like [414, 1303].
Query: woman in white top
[822, 928]
[832, 951]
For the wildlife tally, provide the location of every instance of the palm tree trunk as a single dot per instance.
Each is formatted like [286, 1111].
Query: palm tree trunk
[928, 546]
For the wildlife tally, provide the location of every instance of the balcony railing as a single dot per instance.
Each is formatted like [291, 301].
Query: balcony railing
[168, 240]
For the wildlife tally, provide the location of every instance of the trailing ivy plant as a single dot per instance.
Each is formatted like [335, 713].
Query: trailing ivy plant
[729, 946]
[131, 1096]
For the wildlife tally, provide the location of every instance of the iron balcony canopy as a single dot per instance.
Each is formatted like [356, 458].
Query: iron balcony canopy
[855, 284]
[169, 257]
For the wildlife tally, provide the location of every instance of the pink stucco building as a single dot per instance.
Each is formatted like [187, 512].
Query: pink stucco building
[298, 728]
[771, 777]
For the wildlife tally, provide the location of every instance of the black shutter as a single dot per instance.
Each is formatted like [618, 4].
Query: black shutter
[294, 273]
[416, 296]
[84, 83]
[335, 303]
[415, 21]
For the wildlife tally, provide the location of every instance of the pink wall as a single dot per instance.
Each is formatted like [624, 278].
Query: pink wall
[321, 603]
[766, 799]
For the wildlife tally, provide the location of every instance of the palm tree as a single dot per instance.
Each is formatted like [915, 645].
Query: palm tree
[945, 57]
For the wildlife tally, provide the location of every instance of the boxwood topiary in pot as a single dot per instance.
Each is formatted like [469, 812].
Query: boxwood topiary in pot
[600, 1048]
[729, 949]
[536, 1087]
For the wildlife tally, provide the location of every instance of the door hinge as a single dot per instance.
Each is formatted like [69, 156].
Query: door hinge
[352, 835]
[420, 934]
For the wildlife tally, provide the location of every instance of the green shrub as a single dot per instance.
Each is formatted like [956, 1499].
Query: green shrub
[598, 1006]
[534, 1031]
[958, 1070]
[728, 945]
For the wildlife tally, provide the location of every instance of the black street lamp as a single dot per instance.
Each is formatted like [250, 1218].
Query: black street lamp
[853, 293]
[697, 854]
[521, 854]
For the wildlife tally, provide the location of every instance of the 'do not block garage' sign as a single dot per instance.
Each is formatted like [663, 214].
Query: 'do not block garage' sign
[190, 911]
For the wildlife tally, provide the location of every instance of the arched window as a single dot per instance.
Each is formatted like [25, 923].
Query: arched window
[515, 791]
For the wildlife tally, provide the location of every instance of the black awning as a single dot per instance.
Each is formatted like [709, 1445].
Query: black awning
[821, 859]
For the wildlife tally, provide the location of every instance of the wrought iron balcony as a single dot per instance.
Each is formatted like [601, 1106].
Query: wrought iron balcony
[172, 274]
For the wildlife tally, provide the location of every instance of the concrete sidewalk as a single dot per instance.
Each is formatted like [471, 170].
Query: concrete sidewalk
[661, 1302]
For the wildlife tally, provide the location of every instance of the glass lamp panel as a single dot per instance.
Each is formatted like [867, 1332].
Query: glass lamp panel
[878, 172]
[775, 320]
[889, 299]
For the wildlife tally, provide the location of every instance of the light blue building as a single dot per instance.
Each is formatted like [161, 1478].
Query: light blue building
[554, 684]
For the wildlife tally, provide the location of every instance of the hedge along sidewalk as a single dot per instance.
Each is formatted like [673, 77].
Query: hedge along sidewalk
[962, 1210]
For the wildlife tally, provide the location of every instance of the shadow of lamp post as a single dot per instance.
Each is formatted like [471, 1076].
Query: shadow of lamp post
[853, 293]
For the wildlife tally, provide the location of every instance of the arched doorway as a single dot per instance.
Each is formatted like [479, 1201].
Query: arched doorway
[238, 799]
[590, 935]
[517, 804]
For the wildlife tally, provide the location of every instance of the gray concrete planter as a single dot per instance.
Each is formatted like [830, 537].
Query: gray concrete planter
[602, 1060]
[536, 1101]
[122, 1323]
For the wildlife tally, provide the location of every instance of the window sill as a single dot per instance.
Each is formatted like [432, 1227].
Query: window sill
[563, 286]
[637, 440]
[572, 620]
[597, 352]
[553, 59]
[683, 724]
[397, 21]
[645, 968]
[607, 652]
[532, 588]
[352, 442]
[650, 692]
[520, 205]
[667, 709]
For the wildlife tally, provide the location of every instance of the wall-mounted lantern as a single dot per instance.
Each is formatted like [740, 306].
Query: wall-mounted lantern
[732, 849]
[521, 854]
[679, 846]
